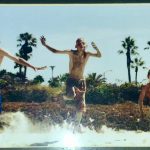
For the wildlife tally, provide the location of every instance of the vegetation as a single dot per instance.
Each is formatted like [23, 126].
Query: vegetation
[106, 103]
[138, 62]
[31, 93]
[26, 41]
[38, 79]
[93, 80]
[54, 82]
[129, 48]
[102, 94]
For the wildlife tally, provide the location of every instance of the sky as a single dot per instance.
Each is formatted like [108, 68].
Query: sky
[106, 25]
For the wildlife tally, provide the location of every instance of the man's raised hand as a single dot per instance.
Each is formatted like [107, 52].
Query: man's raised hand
[43, 40]
[94, 45]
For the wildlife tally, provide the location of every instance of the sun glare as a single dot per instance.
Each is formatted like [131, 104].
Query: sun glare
[70, 140]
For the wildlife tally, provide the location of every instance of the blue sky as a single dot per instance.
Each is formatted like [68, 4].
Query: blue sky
[106, 25]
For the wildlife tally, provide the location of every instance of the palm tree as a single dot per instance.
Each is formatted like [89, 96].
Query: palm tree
[93, 80]
[26, 42]
[130, 49]
[138, 62]
[52, 68]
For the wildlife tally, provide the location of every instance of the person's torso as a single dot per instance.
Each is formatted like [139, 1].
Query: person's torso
[77, 64]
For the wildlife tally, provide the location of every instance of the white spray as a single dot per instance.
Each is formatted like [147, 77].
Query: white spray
[21, 132]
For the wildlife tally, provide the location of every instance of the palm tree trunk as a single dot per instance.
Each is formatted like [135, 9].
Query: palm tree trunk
[129, 73]
[20, 69]
[25, 71]
[136, 72]
[128, 66]
[136, 78]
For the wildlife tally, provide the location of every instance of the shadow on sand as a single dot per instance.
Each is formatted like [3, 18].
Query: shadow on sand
[43, 144]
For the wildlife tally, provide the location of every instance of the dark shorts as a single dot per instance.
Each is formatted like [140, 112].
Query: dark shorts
[74, 82]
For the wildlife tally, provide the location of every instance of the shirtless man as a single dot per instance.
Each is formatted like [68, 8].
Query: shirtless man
[144, 95]
[78, 59]
[76, 84]
[4, 53]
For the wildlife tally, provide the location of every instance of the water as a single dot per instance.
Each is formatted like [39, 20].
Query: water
[21, 132]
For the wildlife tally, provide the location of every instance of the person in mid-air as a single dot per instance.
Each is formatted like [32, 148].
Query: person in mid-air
[76, 84]
[78, 59]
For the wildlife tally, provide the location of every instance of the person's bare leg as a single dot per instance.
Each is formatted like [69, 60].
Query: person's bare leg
[78, 118]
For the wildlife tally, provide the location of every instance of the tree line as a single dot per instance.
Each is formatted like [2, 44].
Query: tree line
[26, 43]
[133, 58]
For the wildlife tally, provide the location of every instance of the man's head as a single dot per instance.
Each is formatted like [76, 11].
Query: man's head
[80, 44]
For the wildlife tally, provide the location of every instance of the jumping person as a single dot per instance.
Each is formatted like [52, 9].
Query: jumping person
[144, 95]
[78, 59]
[21, 61]
[76, 84]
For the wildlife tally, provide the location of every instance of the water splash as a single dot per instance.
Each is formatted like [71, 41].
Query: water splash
[22, 132]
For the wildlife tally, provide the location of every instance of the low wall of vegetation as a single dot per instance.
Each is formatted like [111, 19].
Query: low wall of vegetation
[34, 93]
[110, 94]
[102, 94]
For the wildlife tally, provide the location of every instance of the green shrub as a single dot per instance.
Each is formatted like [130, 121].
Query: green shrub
[3, 83]
[104, 94]
[34, 93]
[111, 93]
[129, 91]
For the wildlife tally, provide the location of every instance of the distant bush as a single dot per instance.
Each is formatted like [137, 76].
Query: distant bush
[3, 83]
[102, 94]
[34, 93]
[129, 91]
[111, 93]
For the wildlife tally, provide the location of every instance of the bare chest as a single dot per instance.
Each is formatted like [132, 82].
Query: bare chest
[79, 59]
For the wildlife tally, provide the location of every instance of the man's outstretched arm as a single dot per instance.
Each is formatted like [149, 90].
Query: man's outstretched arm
[19, 60]
[98, 54]
[43, 41]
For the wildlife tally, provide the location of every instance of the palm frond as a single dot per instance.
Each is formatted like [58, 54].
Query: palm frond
[132, 66]
[120, 51]
[18, 45]
[146, 48]
[124, 45]
[141, 63]
[148, 43]
[19, 40]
